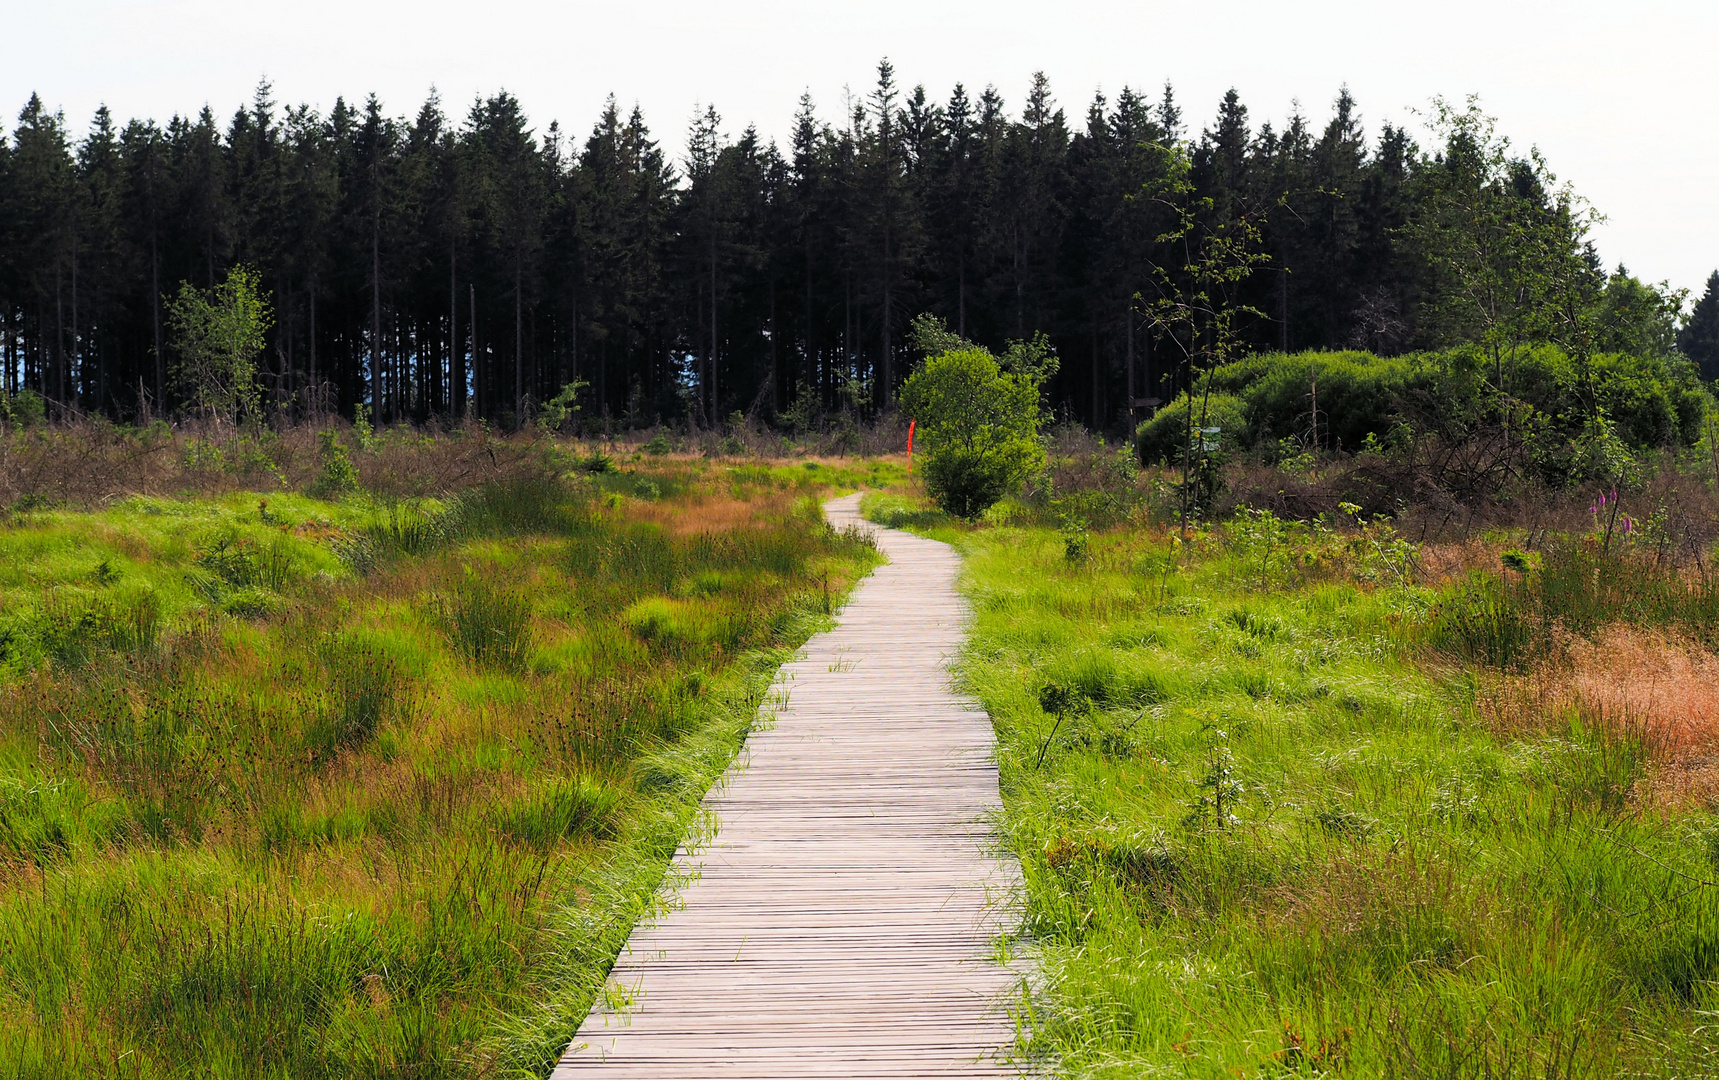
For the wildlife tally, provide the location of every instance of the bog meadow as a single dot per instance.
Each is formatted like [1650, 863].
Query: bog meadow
[402, 523]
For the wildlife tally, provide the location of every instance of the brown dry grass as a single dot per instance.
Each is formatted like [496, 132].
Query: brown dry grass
[85, 465]
[1439, 564]
[714, 512]
[1631, 682]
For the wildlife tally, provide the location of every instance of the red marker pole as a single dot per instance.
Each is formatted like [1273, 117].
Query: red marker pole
[910, 424]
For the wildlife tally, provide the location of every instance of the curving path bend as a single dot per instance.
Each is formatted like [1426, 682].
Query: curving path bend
[843, 921]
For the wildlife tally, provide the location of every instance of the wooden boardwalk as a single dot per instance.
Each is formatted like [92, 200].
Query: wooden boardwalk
[843, 920]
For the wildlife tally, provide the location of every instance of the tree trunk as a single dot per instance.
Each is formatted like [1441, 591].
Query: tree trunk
[286, 331]
[715, 409]
[518, 352]
[456, 370]
[811, 351]
[887, 372]
[59, 340]
[1128, 362]
[376, 323]
[961, 294]
[155, 313]
[74, 379]
[603, 381]
[1097, 394]
[1283, 310]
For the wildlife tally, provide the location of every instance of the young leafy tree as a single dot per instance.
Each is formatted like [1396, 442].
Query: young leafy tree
[219, 333]
[977, 422]
[1508, 262]
[1194, 308]
[1637, 318]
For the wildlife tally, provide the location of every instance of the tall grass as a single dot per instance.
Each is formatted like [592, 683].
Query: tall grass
[393, 821]
[489, 623]
[1269, 843]
[1508, 618]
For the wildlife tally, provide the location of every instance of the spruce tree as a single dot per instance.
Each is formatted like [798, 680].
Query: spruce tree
[1699, 338]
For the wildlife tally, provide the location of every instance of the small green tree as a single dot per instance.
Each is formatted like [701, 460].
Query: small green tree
[1194, 309]
[560, 408]
[978, 427]
[218, 334]
[338, 475]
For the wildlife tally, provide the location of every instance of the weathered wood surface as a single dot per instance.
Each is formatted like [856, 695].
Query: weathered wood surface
[843, 920]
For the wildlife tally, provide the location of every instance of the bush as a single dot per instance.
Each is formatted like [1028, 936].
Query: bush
[338, 475]
[26, 409]
[1359, 395]
[1364, 400]
[978, 426]
[1164, 437]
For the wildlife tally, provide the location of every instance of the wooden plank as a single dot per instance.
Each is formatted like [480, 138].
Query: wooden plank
[842, 921]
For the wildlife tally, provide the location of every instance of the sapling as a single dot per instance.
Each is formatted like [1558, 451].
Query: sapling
[1219, 791]
[1059, 700]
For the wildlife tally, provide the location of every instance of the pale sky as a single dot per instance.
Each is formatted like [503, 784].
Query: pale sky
[1619, 96]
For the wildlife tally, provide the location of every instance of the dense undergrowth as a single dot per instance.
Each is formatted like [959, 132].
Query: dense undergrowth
[308, 787]
[1303, 799]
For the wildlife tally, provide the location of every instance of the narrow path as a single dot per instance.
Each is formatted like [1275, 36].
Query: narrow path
[843, 920]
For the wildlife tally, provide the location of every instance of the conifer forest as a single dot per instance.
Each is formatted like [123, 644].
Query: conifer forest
[454, 264]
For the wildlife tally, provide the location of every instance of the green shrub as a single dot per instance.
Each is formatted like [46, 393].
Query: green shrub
[338, 476]
[1366, 400]
[25, 409]
[1164, 437]
[978, 426]
[596, 462]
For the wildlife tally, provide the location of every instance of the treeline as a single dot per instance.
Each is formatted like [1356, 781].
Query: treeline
[476, 266]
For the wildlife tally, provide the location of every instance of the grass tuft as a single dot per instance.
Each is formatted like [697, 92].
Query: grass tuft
[489, 623]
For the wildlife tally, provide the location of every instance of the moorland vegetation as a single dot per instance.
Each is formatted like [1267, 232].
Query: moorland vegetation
[1310, 799]
[1359, 719]
[330, 777]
